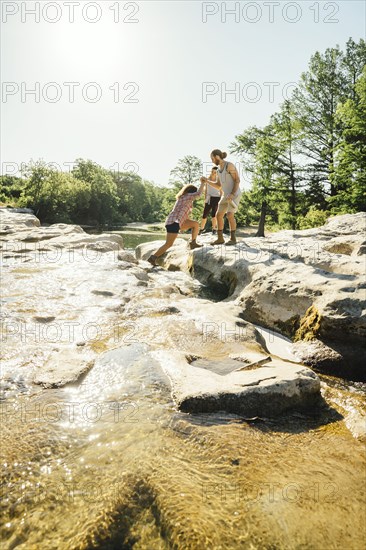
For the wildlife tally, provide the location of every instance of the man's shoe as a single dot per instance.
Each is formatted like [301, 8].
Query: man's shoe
[232, 240]
[214, 232]
[220, 239]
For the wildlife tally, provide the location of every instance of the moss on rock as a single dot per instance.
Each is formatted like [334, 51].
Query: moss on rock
[309, 325]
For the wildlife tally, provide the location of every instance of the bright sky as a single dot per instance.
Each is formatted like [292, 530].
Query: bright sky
[171, 67]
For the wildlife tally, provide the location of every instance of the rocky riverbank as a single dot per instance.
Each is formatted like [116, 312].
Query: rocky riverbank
[307, 285]
[208, 330]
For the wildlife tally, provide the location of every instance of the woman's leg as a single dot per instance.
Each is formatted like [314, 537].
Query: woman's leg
[214, 218]
[191, 224]
[206, 211]
[170, 238]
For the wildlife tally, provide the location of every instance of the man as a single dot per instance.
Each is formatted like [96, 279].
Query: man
[228, 181]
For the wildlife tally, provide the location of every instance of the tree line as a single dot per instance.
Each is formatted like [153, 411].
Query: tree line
[307, 163]
[88, 195]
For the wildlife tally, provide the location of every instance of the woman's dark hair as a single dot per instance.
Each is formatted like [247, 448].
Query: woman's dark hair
[215, 168]
[218, 153]
[186, 189]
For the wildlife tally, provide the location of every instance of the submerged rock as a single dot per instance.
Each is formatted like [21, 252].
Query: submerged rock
[60, 370]
[265, 391]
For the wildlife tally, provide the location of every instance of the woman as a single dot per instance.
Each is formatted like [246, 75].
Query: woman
[178, 220]
[212, 199]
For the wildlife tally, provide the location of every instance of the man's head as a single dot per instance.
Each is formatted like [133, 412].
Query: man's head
[217, 156]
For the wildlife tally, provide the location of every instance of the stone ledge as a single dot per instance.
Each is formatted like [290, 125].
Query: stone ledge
[266, 391]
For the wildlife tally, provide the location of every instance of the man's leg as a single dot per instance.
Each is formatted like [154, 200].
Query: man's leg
[232, 224]
[220, 220]
[220, 225]
[232, 221]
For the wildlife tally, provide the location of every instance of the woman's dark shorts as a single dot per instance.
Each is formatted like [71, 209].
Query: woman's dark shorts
[172, 227]
[213, 204]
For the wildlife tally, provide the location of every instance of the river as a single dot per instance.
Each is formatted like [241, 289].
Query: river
[108, 462]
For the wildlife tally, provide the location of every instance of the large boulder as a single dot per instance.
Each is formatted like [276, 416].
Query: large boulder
[264, 391]
[16, 221]
[176, 261]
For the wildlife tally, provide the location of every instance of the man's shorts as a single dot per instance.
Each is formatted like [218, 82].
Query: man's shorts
[229, 206]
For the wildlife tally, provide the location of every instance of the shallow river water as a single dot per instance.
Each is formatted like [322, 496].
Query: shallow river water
[108, 461]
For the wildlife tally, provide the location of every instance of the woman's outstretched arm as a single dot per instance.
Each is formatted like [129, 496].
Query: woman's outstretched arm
[216, 184]
[199, 192]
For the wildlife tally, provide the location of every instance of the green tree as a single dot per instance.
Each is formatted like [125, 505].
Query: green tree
[36, 174]
[285, 132]
[104, 200]
[269, 154]
[187, 171]
[351, 154]
[11, 188]
[322, 87]
[255, 149]
[53, 195]
[353, 63]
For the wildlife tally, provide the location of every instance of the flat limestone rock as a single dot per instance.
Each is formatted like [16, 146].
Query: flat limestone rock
[23, 233]
[61, 369]
[265, 391]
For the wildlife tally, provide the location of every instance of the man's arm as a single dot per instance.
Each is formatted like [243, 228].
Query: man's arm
[234, 174]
